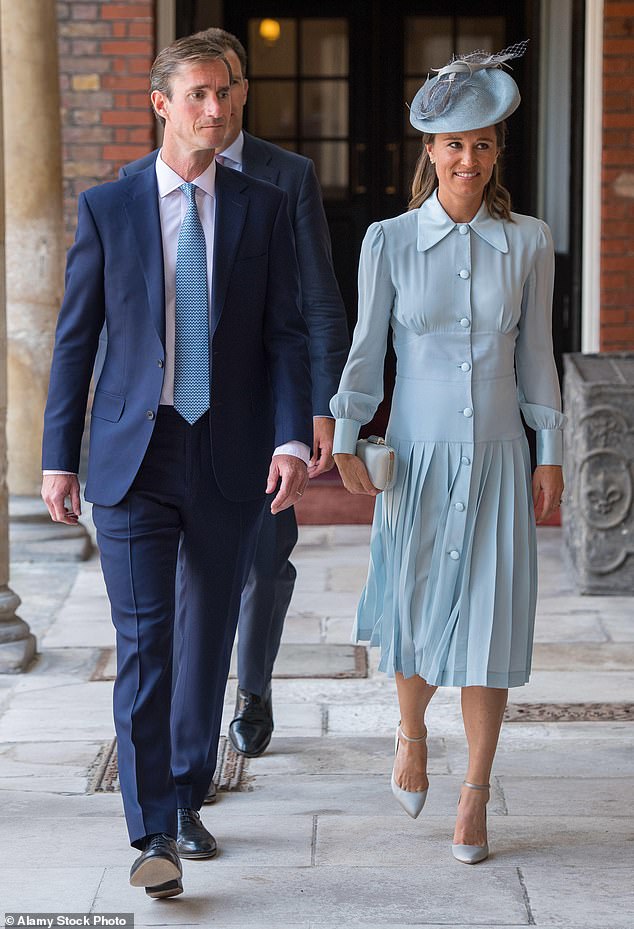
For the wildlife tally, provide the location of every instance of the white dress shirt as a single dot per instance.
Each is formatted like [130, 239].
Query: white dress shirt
[231, 157]
[173, 205]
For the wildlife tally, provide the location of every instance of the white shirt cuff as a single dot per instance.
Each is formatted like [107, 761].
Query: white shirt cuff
[298, 449]
[59, 472]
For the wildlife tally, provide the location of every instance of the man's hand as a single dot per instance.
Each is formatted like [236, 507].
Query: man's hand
[293, 474]
[324, 434]
[548, 486]
[56, 489]
[354, 475]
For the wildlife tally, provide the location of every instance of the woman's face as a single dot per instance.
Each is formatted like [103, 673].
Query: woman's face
[464, 161]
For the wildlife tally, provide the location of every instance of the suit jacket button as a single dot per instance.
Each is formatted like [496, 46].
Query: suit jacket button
[150, 414]
[160, 363]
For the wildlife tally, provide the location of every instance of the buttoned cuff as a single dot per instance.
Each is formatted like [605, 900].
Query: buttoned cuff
[346, 435]
[550, 447]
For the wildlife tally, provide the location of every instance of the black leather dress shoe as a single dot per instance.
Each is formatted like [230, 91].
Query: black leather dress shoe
[251, 728]
[158, 867]
[194, 841]
[168, 889]
[212, 793]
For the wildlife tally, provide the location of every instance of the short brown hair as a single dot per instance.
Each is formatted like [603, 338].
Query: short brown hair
[496, 196]
[228, 41]
[169, 60]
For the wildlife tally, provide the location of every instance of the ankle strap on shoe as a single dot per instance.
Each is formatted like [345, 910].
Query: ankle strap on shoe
[476, 786]
[406, 738]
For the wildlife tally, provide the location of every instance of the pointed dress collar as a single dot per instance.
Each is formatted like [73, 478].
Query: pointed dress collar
[434, 224]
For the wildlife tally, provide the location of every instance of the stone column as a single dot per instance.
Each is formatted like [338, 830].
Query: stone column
[34, 224]
[17, 645]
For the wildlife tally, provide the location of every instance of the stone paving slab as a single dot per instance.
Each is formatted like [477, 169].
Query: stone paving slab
[43, 888]
[604, 656]
[586, 898]
[243, 839]
[558, 749]
[576, 687]
[59, 712]
[576, 796]
[301, 755]
[52, 805]
[620, 628]
[281, 897]
[561, 625]
[54, 767]
[343, 795]
[514, 841]
[308, 661]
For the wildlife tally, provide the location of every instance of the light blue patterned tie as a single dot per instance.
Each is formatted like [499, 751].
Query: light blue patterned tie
[191, 361]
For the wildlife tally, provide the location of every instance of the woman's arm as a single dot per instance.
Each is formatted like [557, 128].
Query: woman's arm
[537, 380]
[361, 387]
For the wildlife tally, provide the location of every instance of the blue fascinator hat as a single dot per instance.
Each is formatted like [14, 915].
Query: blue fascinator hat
[471, 92]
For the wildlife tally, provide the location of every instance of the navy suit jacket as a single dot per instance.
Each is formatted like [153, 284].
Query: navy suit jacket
[260, 369]
[322, 305]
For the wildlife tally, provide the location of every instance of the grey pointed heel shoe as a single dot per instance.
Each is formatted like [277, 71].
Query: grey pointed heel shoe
[471, 854]
[412, 801]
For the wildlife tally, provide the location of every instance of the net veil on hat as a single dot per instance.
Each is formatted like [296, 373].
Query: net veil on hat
[471, 92]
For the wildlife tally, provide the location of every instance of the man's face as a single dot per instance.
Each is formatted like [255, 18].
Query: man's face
[197, 115]
[239, 92]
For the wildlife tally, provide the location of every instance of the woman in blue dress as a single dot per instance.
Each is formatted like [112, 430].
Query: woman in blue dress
[466, 287]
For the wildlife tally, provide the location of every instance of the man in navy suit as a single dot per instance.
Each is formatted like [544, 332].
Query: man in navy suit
[204, 390]
[267, 595]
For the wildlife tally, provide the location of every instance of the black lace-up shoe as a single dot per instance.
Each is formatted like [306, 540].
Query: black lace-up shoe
[168, 889]
[158, 867]
[194, 841]
[251, 728]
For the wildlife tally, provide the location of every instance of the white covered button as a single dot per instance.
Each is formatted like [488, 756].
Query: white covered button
[454, 555]
[459, 507]
[465, 323]
[463, 229]
[465, 366]
[465, 461]
[464, 274]
[468, 412]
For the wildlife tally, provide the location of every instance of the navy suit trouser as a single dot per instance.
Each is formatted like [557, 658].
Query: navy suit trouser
[168, 729]
[265, 600]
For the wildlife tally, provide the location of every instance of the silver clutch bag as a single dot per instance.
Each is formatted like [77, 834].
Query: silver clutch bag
[380, 461]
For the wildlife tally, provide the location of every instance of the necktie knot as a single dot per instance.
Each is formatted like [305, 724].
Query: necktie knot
[189, 190]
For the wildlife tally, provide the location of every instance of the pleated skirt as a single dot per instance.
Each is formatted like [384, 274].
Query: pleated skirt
[452, 581]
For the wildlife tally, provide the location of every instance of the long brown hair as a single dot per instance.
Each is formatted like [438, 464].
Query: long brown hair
[425, 181]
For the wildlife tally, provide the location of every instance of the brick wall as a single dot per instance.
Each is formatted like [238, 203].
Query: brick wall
[105, 50]
[617, 233]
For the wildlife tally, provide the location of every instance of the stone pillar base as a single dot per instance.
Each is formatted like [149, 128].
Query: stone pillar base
[17, 643]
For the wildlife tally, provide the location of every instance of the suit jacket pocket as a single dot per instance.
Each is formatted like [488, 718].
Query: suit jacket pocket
[108, 406]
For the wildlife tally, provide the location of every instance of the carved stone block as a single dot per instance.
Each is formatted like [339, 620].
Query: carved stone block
[598, 515]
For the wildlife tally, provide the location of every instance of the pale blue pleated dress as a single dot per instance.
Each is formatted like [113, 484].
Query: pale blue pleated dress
[452, 582]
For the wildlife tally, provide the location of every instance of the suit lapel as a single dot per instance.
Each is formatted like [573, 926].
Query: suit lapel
[143, 212]
[257, 161]
[231, 211]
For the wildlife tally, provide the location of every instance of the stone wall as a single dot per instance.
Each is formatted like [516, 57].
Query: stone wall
[105, 51]
[617, 236]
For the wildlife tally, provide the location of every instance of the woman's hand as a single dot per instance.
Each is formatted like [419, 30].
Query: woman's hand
[354, 475]
[548, 487]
